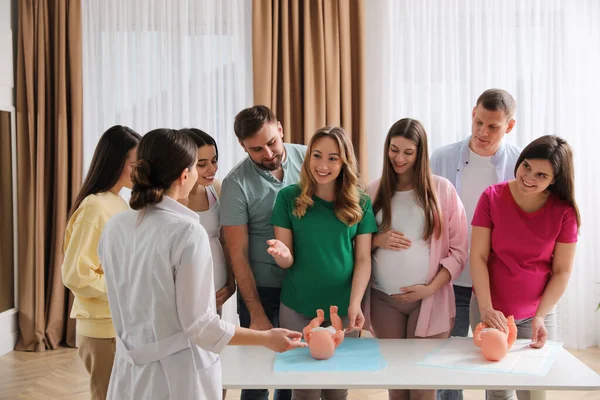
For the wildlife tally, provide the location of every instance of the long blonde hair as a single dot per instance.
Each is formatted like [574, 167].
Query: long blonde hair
[347, 204]
[425, 192]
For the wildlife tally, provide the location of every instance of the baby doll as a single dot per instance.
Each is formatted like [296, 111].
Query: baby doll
[322, 342]
[494, 343]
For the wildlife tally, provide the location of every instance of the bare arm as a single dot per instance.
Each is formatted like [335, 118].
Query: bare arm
[562, 266]
[223, 294]
[362, 268]
[480, 251]
[360, 280]
[236, 238]
[375, 241]
[230, 275]
[441, 279]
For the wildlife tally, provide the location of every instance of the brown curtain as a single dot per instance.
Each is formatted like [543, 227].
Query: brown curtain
[308, 66]
[7, 293]
[49, 163]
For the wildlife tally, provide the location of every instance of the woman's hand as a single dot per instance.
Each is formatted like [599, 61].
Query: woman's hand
[494, 319]
[280, 340]
[280, 252]
[391, 240]
[356, 318]
[539, 333]
[225, 292]
[412, 293]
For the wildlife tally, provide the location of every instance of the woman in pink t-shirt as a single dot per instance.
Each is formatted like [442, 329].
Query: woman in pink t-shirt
[523, 242]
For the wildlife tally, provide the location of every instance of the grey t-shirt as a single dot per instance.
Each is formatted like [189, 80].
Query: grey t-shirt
[247, 197]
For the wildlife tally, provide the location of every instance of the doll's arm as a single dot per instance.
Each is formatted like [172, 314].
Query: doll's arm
[307, 332]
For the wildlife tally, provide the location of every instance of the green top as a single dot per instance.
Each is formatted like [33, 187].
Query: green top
[321, 275]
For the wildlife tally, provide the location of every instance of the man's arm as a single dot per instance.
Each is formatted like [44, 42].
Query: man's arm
[236, 237]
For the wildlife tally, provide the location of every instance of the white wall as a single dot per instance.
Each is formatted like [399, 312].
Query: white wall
[6, 53]
[8, 331]
[8, 34]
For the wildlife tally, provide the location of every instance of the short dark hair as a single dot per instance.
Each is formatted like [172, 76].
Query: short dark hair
[251, 120]
[201, 138]
[498, 99]
[163, 154]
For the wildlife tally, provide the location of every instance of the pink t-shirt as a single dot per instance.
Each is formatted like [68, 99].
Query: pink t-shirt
[522, 246]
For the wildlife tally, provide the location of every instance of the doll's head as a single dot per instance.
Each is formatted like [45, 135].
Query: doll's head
[493, 342]
[321, 345]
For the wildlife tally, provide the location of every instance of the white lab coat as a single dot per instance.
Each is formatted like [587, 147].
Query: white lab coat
[159, 277]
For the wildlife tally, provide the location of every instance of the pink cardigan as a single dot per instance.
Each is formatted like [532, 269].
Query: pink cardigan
[449, 251]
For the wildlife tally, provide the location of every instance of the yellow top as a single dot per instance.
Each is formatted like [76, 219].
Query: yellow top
[81, 270]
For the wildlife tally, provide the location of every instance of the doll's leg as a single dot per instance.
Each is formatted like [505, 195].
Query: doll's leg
[335, 319]
[318, 320]
[314, 323]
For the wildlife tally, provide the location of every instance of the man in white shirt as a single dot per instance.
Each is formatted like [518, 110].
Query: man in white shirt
[481, 160]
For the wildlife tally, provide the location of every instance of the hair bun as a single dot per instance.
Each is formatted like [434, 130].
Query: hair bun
[144, 191]
[140, 175]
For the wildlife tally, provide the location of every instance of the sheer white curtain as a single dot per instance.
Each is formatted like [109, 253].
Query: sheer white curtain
[430, 60]
[167, 64]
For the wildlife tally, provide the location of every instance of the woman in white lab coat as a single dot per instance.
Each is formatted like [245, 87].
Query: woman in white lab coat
[159, 276]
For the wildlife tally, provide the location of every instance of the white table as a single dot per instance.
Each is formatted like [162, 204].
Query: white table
[252, 368]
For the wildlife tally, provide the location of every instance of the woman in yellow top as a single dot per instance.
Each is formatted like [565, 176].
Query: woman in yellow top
[98, 200]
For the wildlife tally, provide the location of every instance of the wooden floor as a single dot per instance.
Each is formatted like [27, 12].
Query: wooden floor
[59, 374]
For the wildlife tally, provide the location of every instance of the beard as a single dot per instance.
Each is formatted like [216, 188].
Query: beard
[271, 165]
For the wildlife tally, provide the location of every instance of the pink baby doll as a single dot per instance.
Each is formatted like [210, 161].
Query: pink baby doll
[322, 342]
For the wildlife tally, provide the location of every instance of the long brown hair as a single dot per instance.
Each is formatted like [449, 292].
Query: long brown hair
[108, 162]
[425, 193]
[347, 204]
[558, 152]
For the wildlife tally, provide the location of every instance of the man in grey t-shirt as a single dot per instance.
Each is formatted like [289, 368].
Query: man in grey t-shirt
[247, 197]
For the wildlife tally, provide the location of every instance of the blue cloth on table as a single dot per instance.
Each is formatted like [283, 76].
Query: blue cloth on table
[351, 356]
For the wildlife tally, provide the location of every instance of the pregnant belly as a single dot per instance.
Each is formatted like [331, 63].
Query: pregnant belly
[395, 269]
[219, 265]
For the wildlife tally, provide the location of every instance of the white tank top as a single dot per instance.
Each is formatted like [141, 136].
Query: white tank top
[211, 222]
